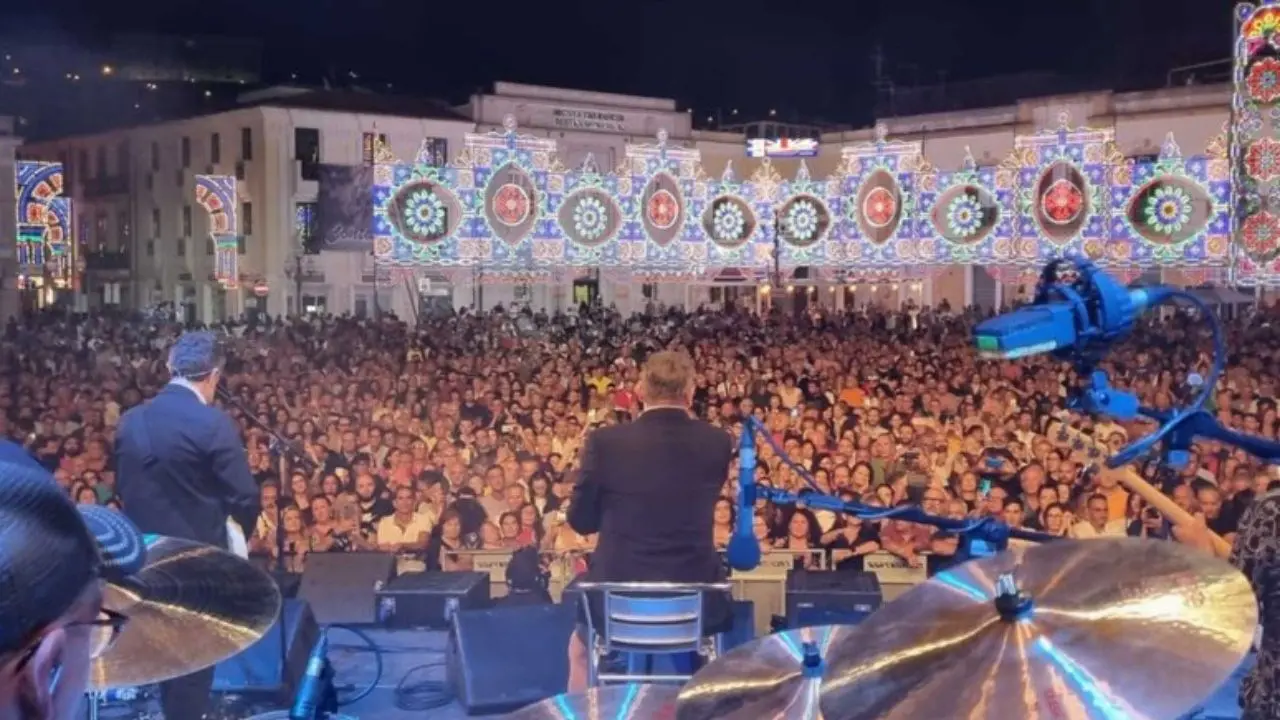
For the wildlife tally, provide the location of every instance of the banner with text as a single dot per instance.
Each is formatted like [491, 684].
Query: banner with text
[344, 208]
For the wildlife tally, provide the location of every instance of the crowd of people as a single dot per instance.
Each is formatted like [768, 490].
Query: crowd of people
[463, 432]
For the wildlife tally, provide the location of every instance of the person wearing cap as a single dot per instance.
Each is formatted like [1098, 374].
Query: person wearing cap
[54, 559]
[182, 471]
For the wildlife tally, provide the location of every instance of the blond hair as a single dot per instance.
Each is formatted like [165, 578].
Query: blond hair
[667, 378]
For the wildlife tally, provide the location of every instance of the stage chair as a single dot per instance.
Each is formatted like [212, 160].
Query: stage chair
[645, 621]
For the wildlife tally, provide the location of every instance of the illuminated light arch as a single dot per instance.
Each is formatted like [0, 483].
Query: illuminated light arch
[46, 244]
[217, 195]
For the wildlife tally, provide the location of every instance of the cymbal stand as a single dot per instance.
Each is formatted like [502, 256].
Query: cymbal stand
[279, 447]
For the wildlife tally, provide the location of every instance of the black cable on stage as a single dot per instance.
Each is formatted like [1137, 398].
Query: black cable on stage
[423, 695]
[369, 646]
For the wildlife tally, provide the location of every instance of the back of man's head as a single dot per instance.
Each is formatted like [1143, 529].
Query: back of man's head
[667, 378]
[47, 555]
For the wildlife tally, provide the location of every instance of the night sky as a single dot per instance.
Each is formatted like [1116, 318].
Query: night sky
[808, 59]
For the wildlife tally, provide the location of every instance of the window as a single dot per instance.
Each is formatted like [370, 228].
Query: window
[208, 246]
[100, 229]
[369, 144]
[100, 167]
[246, 218]
[1145, 158]
[304, 227]
[155, 222]
[186, 152]
[182, 247]
[122, 159]
[155, 156]
[215, 148]
[124, 231]
[242, 244]
[315, 304]
[151, 248]
[436, 151]
[246, 143]
[186, 221]
[306, 145]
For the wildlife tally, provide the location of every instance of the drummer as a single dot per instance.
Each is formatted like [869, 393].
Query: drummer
[53, 561]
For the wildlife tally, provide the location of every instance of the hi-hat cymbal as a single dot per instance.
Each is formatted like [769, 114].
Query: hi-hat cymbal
[651, 702]
[777, 676]
[191, 607]
[1104, 629]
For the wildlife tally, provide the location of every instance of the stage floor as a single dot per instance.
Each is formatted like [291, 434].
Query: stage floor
[404, 650]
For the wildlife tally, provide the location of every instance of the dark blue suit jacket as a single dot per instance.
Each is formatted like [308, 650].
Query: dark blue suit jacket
[649, 488]
[182, 470]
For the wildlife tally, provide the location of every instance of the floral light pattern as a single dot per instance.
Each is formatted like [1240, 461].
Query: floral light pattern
[728, 223]
[879, 207]
[1262, 160]
[1263, 81]
[1260, 234]
[424, 214]
[1167, 210]
[965, 216]
[590, 219]
[802, 220]
[1062, 202]
[511, 204]
[663, 209]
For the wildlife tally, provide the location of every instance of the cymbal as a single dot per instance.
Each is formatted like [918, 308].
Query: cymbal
[1103, 628]
[652, 702]
[190, 607]
[777, 676]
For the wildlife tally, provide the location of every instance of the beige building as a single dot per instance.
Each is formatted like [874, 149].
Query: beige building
[133, 188]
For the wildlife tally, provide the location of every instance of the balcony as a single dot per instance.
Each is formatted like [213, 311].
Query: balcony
[100, 187]
[106, 260]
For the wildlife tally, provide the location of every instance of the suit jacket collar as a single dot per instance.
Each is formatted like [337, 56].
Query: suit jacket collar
[664, 414]
[183, 389]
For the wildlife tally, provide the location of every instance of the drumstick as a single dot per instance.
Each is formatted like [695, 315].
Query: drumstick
[1136, 484]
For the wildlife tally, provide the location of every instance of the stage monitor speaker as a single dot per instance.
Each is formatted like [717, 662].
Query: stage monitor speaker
[501, 659]
[840, 597]
[257, 671]
[340, 587]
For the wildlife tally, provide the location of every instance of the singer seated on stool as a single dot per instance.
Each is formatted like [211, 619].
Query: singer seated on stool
[649, 489]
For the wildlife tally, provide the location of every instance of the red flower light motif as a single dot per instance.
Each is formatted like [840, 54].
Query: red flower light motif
[1062, 202]
[663, 209]
[511, 204]
[1262, 160]
[879, 207]
[1261, 234]
[1263, 81]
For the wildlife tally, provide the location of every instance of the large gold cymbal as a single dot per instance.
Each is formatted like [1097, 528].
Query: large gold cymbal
[610, 702]
[1110, 628]
[190, 607]
[777, 677]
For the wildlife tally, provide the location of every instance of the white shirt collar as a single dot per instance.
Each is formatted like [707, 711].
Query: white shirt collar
[183, 382]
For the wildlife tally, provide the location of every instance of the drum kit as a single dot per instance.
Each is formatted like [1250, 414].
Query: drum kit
[189, 608]
[1072, 630]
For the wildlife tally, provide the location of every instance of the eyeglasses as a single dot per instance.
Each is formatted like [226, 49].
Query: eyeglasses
[104, 632]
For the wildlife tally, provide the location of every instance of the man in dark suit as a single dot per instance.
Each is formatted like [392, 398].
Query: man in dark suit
[182, 472]
[648, 490]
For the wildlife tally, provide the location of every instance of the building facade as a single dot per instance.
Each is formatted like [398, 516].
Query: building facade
[147, 241]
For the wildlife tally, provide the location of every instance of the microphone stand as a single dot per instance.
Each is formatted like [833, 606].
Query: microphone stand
[278, 447]
[993, 532]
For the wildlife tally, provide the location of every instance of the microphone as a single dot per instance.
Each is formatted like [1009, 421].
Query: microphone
[312, 689]
[743, 552]
[1066, 316]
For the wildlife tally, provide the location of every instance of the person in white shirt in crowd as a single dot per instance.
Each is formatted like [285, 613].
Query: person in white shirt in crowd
[1096, 523]
[405, 532]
